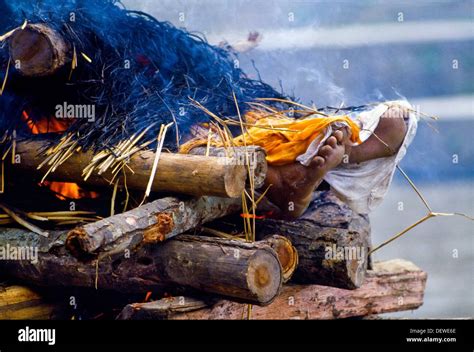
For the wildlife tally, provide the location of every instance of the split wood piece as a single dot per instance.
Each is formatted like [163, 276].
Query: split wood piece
[237, 270]
[38, 50]
[150, 223]
[179, 173]
[254, 156]
[392, 286]
[22, 303]
[332, 241]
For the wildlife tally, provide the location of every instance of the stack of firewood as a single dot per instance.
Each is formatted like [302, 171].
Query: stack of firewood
[159, 246]
[151, 247]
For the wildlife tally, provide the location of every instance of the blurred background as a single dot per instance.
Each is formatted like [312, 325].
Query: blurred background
[356, 52]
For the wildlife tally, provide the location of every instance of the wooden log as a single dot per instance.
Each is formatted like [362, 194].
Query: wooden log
[391, 286]
[150, 223]
[235, 269]
[38, 50]
[286, 252]
[254, 156]
[332, 242]
[179, 173]
[22, 303]
[246, 271]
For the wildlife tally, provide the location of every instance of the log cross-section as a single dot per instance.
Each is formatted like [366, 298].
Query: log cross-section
[38, 50]
[286, 252]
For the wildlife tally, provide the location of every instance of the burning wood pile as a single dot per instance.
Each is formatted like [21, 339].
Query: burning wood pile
[93, 114]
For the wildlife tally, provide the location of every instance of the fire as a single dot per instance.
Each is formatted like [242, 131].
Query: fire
[69, 190]
[63, 190]
[45, 124]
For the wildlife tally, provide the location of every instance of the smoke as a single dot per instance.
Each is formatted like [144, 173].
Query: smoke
[322, 85]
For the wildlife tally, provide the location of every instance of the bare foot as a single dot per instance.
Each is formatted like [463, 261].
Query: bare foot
[293, 185]
[391, 132]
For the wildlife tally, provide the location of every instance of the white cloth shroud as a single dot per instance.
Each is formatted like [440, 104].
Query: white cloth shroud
[363, 185]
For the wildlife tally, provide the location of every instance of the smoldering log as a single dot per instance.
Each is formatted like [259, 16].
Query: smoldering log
[179, 173]
[332, 241]
[150, 223]
[241, 271]
[38, 50]
[392, 286]
[254, 156]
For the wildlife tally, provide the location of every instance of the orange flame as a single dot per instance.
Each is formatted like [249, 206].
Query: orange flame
[45, 124]
[63, 190]
[69, 190]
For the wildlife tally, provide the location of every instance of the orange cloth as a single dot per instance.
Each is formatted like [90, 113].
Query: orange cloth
[284, 139]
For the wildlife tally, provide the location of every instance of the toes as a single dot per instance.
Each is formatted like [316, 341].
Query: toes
[339, 136]
[325, 151]
[317, 161]
[328, 149]
[332, 141]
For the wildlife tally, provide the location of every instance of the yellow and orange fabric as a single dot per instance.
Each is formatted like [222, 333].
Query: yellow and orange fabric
[284, 138]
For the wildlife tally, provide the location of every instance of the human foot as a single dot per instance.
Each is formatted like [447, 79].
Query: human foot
[292, 185]
[387, 137]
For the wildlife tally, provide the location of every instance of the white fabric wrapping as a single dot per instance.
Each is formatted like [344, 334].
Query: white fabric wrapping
[363, 186]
